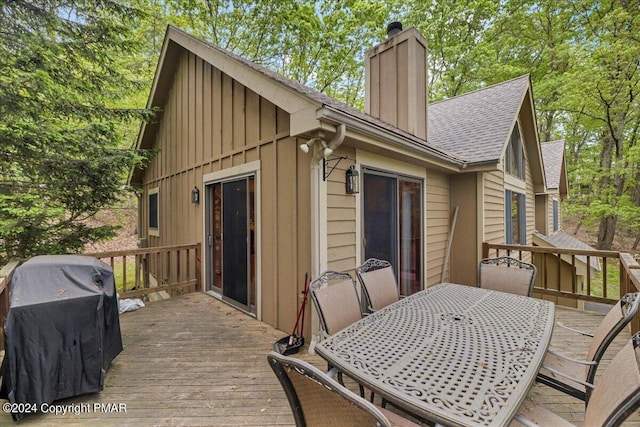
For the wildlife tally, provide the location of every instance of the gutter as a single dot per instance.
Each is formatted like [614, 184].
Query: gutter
[321, 150]
[361, 126]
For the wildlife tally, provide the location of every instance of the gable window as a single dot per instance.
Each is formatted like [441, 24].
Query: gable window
[154, 212]
[555, 215]
[514, 158]
[515, 218]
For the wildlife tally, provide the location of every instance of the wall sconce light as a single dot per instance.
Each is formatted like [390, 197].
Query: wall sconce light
[352, 180]
[195, 195]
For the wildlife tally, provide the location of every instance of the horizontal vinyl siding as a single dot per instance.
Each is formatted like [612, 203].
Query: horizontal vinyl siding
[531, 204]
[494, 207]
[550, 212]
[437, 225]
[341, 216]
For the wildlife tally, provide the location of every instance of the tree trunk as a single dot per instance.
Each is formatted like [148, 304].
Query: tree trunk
[636, 243]
[606, 232]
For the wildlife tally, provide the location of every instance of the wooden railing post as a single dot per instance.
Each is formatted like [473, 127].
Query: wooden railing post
[162, 265]
[630, 282]
[6, 273]
[485, 250]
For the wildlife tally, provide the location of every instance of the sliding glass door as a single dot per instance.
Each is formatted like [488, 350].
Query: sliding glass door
[231, 241]
[392, 222]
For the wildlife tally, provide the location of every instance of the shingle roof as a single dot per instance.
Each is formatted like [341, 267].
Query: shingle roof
[552, 155]
[324, 99]
[560, 239]
[470, 128]
[476, 125]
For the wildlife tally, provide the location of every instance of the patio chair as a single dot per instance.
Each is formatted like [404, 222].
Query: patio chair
[316, 399]
[379, 286]
[335, 298]
[337, 304]
[576, 377]
[506, 274]
[615, 397]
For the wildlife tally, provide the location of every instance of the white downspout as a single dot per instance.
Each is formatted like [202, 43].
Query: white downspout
[319, 216]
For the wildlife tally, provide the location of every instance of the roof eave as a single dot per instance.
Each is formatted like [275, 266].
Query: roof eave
[430, 154]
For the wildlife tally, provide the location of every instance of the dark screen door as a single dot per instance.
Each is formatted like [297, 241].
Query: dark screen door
[380, 218]
[235, 229]
[392, 221]
[231, 241]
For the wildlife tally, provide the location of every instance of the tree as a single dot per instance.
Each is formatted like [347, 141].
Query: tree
[456, 34]
[608, 68]
[62, 126]
[320, 44]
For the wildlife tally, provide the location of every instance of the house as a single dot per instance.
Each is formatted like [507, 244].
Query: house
[549, 232]
[549, 204]
[276, 179]
[494, 130]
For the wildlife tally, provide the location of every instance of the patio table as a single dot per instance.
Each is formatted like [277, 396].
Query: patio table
[453, 354]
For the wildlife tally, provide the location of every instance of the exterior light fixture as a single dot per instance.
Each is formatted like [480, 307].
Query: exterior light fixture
[304, 147]
[195, 195]
[352, 181]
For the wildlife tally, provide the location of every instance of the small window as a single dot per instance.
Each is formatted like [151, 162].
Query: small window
[555, 215]
[515, 218]
[153, 205]
[514, 158]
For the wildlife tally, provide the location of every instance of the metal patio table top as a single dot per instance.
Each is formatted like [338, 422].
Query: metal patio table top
[453, 354]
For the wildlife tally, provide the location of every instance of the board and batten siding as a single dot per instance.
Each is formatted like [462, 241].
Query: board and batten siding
[210, 123]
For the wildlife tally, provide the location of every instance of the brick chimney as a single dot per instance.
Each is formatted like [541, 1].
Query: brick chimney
[396, 80]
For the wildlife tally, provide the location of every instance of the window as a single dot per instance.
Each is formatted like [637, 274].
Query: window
[154, 214]
[555, 215]
[515, 218]
[514, 158]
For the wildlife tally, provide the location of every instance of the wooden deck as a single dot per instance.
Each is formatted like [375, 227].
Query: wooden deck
[193, 360]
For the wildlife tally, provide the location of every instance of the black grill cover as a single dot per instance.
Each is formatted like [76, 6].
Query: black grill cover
[62, 330]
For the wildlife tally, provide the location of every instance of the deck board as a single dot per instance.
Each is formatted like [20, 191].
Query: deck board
[193, 360]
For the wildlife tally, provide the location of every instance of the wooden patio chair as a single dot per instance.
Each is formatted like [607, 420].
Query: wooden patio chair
[335, 298]
[506, 274]
[615, 397]
[379, 286]
[316, 399]
[576, 377]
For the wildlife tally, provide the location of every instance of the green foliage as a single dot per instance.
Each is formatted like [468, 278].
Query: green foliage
[75, 73]
[320, 44]
[62, 122]
[584, 61]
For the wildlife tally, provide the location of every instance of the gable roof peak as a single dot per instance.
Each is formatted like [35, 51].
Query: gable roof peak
[477, 125]
[553, 159]
[519, 79]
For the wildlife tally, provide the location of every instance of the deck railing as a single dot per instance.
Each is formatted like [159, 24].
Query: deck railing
[140, 272]
[137, 273]
[5, 287]
[575, 277]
